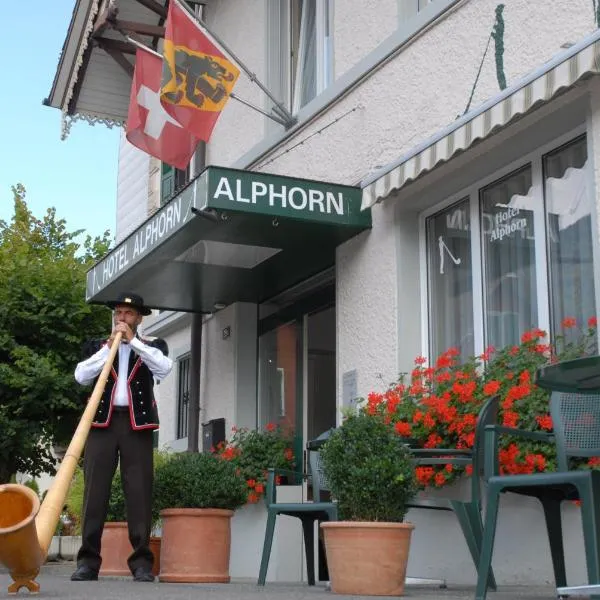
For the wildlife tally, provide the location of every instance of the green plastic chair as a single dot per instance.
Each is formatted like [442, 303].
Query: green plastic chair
[468, 512]
[307, 512]
[575, 411]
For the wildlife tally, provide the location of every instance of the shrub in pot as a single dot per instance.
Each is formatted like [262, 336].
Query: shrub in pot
[196, 495]
[372, 478]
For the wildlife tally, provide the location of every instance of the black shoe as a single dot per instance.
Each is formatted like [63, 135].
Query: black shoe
[143, 574]
[84, 573]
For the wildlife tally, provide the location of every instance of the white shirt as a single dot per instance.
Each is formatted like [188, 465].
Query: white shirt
[159, 364]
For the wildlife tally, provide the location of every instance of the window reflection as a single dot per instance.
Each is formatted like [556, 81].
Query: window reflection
[277, 376]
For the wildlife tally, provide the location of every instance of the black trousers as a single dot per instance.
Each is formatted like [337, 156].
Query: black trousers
[103, 450]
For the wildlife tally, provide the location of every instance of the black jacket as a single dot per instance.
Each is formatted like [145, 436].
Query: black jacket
[142, 405]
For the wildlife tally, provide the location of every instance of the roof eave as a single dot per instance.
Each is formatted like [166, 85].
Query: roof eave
[69, 62]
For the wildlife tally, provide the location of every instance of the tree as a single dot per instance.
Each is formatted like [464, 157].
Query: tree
[44, 322]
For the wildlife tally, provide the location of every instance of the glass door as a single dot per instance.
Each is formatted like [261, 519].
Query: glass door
[280, 381]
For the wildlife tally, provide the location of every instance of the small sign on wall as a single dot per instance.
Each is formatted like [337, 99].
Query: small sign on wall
[349, 389]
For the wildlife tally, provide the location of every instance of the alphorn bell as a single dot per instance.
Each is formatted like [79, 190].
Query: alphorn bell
[26, 527]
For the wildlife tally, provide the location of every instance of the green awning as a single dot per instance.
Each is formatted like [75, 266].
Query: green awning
[231, 236]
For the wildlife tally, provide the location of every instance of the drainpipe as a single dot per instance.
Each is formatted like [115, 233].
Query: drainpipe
[199, 162]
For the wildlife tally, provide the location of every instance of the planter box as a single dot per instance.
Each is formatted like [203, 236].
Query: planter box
[521, 557]
[54, 549]
[248, 525]
[69, 546]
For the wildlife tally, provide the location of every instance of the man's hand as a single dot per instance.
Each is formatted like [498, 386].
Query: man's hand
[127, 332]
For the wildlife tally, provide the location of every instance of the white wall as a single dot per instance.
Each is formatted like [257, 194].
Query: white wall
[242, 24]
[132, 188]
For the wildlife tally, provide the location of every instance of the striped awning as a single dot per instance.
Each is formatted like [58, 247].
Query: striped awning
[562, 71]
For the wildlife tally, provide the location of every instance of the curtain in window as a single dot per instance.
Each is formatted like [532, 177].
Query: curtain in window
[450, 280]
[569, 203]
[508, 244]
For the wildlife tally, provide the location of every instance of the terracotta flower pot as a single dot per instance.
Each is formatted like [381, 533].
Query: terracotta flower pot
[155, 549]
[115, 549]
[367, 559]
[195, 545]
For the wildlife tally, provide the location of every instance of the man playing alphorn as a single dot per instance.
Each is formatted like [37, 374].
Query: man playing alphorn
[121, 433]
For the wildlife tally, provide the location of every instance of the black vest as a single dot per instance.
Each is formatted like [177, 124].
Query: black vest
[142, 405]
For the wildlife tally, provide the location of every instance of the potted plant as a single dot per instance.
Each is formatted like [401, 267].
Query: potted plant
[254, 451]
[196, 494]
[371, 477]
[115, 544]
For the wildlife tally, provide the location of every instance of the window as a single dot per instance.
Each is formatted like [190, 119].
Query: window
[183, 395]
[569, 204]
[171, 180]
[450, 284]
[509, 260]
[530, 253]
[299, 50]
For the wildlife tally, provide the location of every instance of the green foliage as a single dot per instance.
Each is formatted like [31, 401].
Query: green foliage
[116, 503]
[198, 480]
[44, 321]
[253, 452]
[160, 458]
[74, 500]
[32, 484]
[369, 470]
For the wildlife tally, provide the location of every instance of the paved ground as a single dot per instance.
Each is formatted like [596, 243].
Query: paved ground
[55, 583]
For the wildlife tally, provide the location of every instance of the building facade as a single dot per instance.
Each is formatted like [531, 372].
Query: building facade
[471, 132]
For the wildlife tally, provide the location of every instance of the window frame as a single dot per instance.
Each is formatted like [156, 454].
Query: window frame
[472, 191]
[180, 418]
[285, 51]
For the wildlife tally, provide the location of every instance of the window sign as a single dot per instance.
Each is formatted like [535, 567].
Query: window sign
[510, 295]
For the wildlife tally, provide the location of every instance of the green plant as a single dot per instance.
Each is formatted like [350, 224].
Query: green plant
[32, 484]
[253, 452]
[160, 458]
[74, 500]
[369, 469]
[198, 480]
[117, 511]
[44, 320]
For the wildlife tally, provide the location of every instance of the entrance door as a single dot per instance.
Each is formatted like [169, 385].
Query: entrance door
[320, 389]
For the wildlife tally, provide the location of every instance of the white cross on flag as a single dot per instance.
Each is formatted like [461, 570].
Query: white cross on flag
[149, 127]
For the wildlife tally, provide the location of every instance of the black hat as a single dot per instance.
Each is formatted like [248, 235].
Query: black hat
[132, 300]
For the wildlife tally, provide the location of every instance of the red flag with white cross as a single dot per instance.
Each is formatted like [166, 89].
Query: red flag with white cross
[149, 127]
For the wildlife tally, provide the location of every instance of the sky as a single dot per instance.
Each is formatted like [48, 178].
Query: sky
[77, 176]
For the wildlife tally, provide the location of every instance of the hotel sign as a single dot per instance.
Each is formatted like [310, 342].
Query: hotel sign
[230, 190]
[247, 191]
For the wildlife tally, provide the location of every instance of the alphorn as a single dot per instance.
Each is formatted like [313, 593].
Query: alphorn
[26, 527]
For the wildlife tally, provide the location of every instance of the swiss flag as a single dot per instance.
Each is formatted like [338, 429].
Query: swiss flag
[149, 127]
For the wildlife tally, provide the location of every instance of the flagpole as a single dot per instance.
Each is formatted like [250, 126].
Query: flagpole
[142, 46]
[260, 110]
[279, 108]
